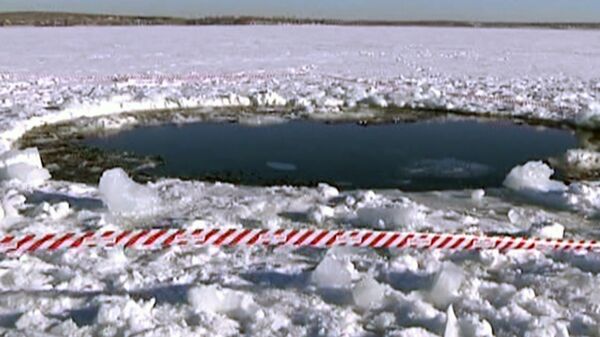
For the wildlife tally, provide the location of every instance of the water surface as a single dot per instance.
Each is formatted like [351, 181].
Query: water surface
[411, 156]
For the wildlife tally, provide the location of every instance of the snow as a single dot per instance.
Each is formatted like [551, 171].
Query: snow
[348, 73]
[123, 195]
[533, 176]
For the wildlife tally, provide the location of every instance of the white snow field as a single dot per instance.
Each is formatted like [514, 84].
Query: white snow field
[55, 74]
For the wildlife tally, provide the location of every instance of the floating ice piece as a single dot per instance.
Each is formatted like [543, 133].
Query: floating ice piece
[446, 284]
[548, 231]
[213, 298]
[280, 166]
[446, 168]
[368, 293]
[533, 176]
[452, 328]
[333, 273]
[123, 195]
[23, 165]
[409, 215]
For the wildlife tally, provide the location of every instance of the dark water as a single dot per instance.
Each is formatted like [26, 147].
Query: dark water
[415, 156]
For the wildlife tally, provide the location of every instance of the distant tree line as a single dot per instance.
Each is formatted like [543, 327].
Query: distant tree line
[78, 19]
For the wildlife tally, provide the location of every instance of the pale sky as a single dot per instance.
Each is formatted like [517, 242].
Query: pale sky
[472, 10]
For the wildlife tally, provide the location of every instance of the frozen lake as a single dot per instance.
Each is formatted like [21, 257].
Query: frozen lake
[410, 156]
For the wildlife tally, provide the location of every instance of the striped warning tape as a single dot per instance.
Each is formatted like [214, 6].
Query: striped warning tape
[319, 238]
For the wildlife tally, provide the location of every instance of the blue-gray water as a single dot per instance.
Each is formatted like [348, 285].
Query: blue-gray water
[409, 156]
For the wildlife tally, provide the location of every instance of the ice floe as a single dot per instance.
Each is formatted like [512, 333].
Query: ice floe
[123, 195]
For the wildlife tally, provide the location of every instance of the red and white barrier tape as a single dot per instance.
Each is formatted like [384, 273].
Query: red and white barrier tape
[319, 238]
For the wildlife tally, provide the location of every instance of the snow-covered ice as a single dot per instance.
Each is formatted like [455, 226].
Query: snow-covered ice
[313, 72]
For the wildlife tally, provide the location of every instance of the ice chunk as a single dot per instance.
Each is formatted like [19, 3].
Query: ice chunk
[23, 165]
[446, 284]
[135, 316]
[368, 293]
[327, 191]
[551, 328]
[477, 195]
[590, 117]
[114, 261]
[404, 215]
[212, 298]
[404, 262]
[547, 231]
[33, 320]
[54, 212]
[470, 326]
[383, 321]
[452, 328]
[29, 156]
[533, 176]
[374, 101]
[333, 273]
[123, 195]
[11, 202]
[414, 332]
[319, 213]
